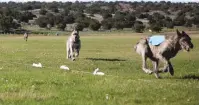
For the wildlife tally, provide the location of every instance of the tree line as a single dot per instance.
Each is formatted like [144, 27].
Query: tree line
[117, 15]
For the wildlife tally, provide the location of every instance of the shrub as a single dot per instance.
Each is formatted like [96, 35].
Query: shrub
[119, 25]
[43, 12]
[107, 24]
[61, 26]
[94, 25]
[5, 23]
[138, 26]
[156, 27]
[42, 21]
[80, 27]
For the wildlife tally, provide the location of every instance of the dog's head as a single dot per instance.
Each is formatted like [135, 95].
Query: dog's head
[75, 35]
[185, 41]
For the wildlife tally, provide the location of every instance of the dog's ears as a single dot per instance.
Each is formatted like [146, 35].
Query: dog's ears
[75, 32]
[186, 35]
[178, 33]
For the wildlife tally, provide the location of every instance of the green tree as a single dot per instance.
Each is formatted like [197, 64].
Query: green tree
[43, 11]
[180, 20]
[138, 26]
[170, 25]
[61, 26]
[42, 21]
[6, 22]
[94, 25]
[106, 15]
[58, 18]
[69, 19]
[50, 19]
[80, 27]
[119, 16]
[156, 27]
[26, 16]
[188, 23]
[107, 23]
[119, 25]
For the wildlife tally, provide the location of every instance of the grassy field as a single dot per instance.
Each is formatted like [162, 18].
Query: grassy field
[124, 82]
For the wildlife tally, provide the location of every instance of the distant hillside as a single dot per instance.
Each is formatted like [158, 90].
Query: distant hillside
[100, 15]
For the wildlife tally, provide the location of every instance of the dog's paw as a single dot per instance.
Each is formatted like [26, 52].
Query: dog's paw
[73, 59]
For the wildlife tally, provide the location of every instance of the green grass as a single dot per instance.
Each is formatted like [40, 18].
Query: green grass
[124, 81]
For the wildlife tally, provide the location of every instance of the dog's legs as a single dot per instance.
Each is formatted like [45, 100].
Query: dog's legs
[168, 68]
[72, 52]
[78, 49]
[155, 68]
[144, 65]
[77, 53]
[67, 51]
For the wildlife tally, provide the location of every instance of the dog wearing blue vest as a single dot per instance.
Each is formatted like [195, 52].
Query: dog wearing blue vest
[162, 48]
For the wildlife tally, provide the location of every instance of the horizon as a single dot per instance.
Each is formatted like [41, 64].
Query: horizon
[174, 1]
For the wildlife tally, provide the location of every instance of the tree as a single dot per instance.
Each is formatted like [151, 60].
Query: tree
[15, 25]
[53, 7]
[130, 17]
[180, 20]
[119, 16]
[128, 24]
[85, 21]
[56, 10]
[43, 11]
[27, 7]
[196, 19]
[107, 23]
[58, 19]
[50, 19]
[42, 21]
[170, 25]
[69, 19]
[156, 27]
[5, 23]
[188, 23]
[66, 12]
[142, 16]
[93, 9]
[138, 26]
[78, 15]
[80, 27]
[61, 26]
[26, 16]
[106, 15]
[94, 25]
[119, 25]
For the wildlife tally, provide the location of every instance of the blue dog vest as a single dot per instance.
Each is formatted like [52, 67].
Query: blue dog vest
[156, 39]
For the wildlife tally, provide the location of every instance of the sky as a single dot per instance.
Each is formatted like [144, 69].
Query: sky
[99, 0]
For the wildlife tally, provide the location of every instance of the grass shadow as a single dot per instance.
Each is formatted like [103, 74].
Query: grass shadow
[105, 59]
[190, 76]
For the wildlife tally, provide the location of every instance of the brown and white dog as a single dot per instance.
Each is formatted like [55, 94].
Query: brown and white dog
[73, 45]
[25, 36]
[163, 52]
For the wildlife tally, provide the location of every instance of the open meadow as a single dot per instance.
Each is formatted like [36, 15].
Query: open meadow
[124, 83]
